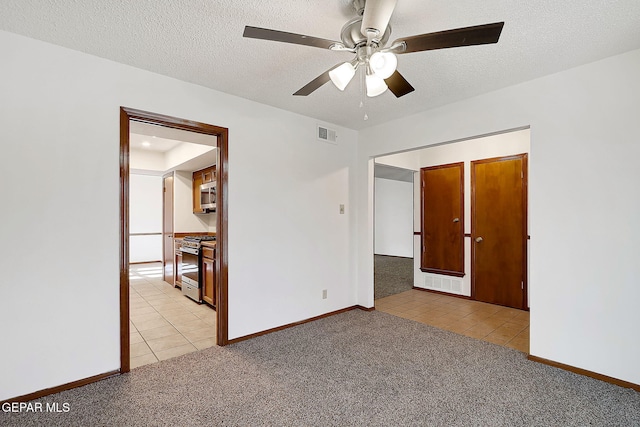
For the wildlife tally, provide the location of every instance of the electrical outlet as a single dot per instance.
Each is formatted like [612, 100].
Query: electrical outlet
[341, 209]
[324, 294]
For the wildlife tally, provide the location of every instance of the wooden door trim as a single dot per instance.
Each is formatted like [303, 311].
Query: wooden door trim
[525, 233]
[443, 272]
[222, 255]
[125, 362]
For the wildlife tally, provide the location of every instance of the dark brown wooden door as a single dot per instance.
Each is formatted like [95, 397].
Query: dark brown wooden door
[499, 230]
[443, 219]
[167, 228]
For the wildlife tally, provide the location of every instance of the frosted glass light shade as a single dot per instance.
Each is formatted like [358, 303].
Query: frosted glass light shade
[383, 64]
[342, 75]
[375, 85]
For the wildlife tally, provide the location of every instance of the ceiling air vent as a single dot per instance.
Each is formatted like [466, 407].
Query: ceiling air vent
[327, 135]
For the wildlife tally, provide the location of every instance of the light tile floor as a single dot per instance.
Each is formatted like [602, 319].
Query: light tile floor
[163, 322]
[493, 323]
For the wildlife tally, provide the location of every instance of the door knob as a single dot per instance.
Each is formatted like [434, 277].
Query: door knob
[456, 219]
[479, 239]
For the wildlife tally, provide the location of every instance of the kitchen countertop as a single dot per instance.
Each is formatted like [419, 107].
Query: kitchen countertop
[180, 235]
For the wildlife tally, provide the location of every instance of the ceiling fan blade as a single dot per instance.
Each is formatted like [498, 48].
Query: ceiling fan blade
[315, 83]
[281, 36]
[468, 36]
[398, 85]
[377, 14]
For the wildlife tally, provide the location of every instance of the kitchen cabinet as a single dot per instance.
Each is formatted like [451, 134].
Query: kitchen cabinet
[203, 176]
[208, 174]
[208, 274]
[177, 280]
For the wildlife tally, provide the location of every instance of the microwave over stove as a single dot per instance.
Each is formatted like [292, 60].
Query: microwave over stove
[208, 196]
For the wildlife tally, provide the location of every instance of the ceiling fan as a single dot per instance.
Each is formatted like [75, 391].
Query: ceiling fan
[366, 36]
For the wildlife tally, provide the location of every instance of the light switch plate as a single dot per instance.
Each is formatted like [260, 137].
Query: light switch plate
[341, 209]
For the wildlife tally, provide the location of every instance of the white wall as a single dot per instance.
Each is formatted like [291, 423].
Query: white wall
[584, 204]
[406, 160]
[394, 218]
[184, 152]
[145, 216]
[178, 158]
[184, 220]
[60, 119]
[146, 160]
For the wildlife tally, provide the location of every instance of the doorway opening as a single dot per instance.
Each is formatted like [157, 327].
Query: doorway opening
[393, 240]
[127, 117]
[164, 323]
[442, 294]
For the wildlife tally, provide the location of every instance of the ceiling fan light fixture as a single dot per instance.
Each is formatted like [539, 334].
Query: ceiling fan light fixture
[342, 75]
[375, 85]
[366, 36]
[383, 64]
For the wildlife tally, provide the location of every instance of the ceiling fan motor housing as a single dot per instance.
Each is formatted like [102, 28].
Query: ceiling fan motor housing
[375, 19]
[352, 37]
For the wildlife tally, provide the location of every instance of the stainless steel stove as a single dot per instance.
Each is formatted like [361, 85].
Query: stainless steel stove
[191, 262]
[193, 242]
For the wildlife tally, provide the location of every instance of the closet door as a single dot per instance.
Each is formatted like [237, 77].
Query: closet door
[499, 230]
[442, 216]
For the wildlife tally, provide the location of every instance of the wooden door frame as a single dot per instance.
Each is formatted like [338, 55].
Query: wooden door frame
[525, 222]
[222, 256]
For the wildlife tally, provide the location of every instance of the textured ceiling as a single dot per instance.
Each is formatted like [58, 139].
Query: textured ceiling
[201, 41]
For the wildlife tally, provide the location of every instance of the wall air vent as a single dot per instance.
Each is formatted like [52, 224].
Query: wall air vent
[437, 282]
[326, 135]
[428, 281]
[443, 283]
